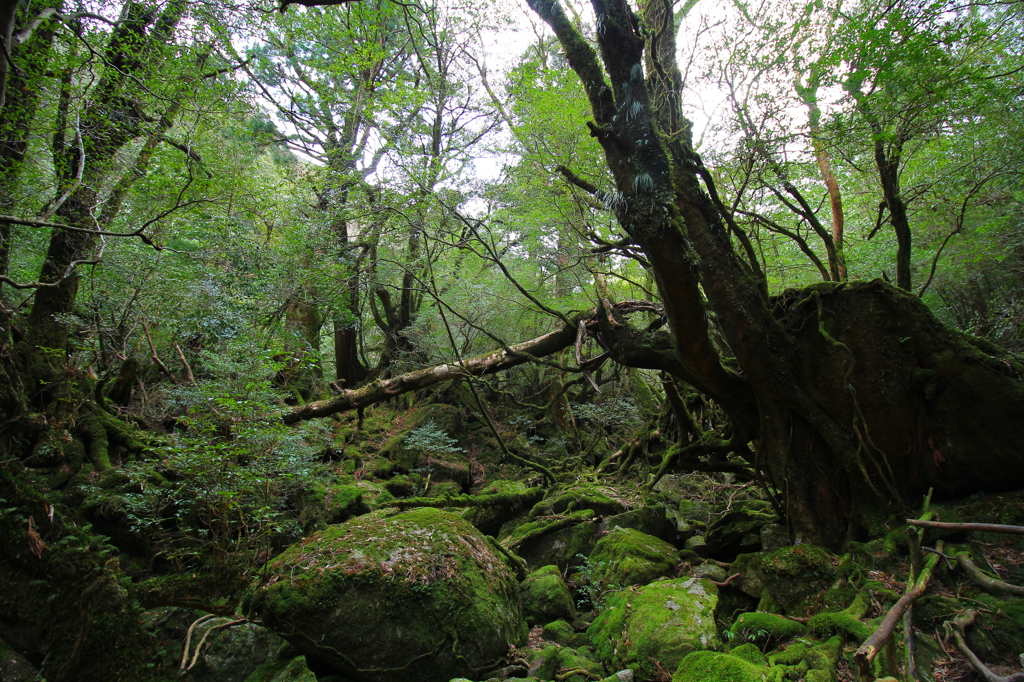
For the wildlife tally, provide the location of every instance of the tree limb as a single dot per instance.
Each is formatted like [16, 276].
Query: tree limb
[954, 628]
[867, 652]
[381, 390]
[980, 527]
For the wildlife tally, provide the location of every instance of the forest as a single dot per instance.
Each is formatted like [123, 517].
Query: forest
[548, 340]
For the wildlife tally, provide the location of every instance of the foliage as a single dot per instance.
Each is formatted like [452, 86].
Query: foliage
[432, 439]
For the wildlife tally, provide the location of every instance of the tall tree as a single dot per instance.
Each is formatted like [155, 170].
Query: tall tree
[846, 391]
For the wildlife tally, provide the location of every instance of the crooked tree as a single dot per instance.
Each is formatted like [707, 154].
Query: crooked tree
[855, 398]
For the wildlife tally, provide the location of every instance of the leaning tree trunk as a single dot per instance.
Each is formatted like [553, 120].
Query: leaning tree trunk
[855, 397]
[109, 121]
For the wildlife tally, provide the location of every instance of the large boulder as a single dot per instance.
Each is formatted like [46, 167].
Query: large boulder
[738, 530]
[418, 596]
[546, 597]
[627, 557]
[791, 577]
[650, 629]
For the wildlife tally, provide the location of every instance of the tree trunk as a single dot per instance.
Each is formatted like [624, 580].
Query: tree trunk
[857, 398]
[107, 124]
[32, 59]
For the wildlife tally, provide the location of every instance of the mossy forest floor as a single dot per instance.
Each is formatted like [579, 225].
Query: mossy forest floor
[197, 519]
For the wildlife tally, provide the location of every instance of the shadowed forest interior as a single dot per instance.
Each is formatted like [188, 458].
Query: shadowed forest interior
[548, 340]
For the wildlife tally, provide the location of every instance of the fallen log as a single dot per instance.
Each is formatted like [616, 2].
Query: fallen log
[867, 652]
[980, 527]
[381, 390]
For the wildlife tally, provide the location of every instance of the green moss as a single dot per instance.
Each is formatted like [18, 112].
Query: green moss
[556, 660]
[342, 502]
[444, 489]
[546, 597]
[293, 670]
[839, 624]
[712, 666]
[793, 575]
[776, 627]
[750, 653]
[414, 593]
[823, 656]
[533, 529]
[602, 500]
[628, 557]
[660, 623]
[998, 634]
[740, 527]
[559, 632]
[69, 597]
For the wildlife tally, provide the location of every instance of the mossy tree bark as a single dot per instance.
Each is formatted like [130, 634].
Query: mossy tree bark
[110, 121]
[856, 398]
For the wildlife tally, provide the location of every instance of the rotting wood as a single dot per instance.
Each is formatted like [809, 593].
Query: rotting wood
[867, 652]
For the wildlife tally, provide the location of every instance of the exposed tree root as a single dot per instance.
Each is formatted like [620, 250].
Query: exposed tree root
[990, 585]
[954, 629]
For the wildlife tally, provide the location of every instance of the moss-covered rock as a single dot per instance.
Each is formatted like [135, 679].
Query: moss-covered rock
[14, 667]
[751, 625]
[565, 664]
[342, 502]
[655, 626]
[491, 518]
[750, 653]
[739, 530]
[793, 576]
[403, 485]
[444, 489]
[560, 632]
[649, 520]
[626, 557]
[800, 661]
[604, 501]
[821, 657]
[545, 597]
[697, 545]
[712, 666]
[998, 634]
[415, 596]
[843, 624]
[232, 653]
[558, 540]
